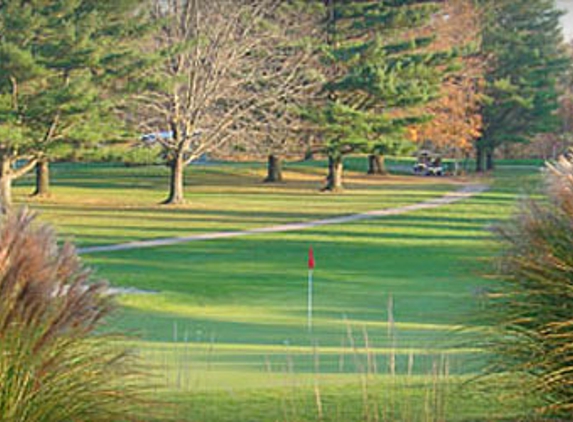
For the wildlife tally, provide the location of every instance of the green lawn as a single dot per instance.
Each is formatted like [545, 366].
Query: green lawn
[227, 328]
[108, 204]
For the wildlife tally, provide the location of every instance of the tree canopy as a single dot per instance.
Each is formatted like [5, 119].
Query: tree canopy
[523, 42]
[377, 71]
[60, 63]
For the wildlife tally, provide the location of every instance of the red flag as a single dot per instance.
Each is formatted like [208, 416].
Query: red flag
[310, 259]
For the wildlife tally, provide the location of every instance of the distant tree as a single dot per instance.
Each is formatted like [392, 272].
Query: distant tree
[563, 137]
[18, 70]
[212, 57]
[374, 66]
[566, 99]
[274, 134]
[56, 60]
[456, 115]
[276, 129]
[523, 42]
[549, 146]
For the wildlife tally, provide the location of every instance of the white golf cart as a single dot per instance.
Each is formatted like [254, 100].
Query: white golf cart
[428, 164]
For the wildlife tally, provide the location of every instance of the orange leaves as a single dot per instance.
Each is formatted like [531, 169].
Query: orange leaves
[413, 134]
[456, 121]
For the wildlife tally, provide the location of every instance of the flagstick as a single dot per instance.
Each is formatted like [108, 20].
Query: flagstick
[310, 300]
[310, 269]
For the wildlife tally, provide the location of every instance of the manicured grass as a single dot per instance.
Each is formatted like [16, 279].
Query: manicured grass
[106, 204]
[229, 319]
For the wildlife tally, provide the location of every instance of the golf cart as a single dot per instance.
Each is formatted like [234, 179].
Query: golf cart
[428, 164]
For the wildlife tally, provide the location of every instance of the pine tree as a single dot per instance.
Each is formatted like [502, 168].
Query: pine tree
[377, 72]
[18, 70]
[57, 60]
[523, 40]
[275, 129]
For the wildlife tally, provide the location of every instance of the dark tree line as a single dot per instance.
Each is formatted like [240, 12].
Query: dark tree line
[523, 44]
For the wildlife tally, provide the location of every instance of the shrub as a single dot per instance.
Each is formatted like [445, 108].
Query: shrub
[53, 365]
[535, 307]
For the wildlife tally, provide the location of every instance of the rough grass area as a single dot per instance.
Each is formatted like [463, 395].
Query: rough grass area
[400, 294]
[430, 398]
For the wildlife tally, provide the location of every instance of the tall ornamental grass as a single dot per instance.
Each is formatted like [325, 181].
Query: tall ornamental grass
[53, 364]
[535, 306]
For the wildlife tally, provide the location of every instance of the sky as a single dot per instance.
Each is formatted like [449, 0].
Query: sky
[567, 19]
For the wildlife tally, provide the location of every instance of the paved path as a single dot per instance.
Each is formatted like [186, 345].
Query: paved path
[449, 198]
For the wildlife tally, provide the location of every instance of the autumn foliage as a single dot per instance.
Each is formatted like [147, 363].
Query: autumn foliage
[456, 118]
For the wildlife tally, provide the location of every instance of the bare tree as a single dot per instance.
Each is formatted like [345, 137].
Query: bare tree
[215, 65]
[276, 129]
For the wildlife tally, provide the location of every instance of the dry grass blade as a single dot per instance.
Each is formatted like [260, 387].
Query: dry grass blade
[535, 309]
[53, 367]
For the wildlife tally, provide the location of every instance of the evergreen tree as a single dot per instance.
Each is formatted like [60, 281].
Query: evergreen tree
[57, 60]
[523, 40]
[377, 72]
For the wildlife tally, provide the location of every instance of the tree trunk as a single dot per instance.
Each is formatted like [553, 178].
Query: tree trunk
[309, 154]
[176, 181]
[489, 159]
[376, 164]
[456, 170]
[479, 158]
[5, 186]
[42, 178]
[334, 178]
[274, 169]
[371, 164]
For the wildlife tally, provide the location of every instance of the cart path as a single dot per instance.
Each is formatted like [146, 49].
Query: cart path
[449, 198]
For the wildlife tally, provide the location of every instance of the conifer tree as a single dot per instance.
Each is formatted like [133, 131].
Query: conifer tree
[523, 40]
[57, 60]
[377, 73]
